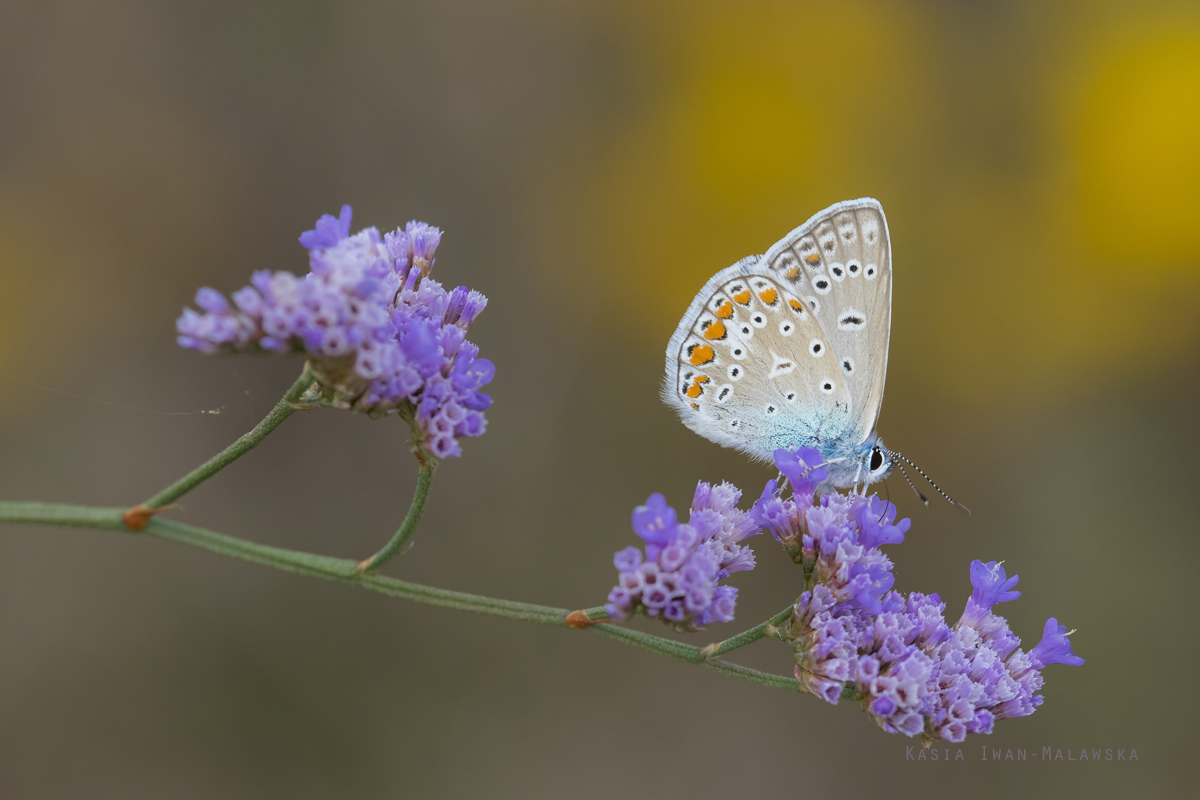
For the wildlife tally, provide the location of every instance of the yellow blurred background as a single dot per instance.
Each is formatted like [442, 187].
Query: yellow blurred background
[592, 165]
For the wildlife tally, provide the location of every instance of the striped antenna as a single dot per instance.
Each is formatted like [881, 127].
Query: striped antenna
[908, 461]
[904, 472]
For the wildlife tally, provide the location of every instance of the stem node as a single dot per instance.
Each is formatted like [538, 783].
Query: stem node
[137, 518]
[580, 620]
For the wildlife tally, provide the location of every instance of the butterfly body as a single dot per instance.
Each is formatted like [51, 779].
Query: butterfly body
[789, 349]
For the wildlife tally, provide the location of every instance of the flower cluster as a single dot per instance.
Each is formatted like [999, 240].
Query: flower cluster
[678, 575]
[380, 334]
[835, 538]
[854, 638]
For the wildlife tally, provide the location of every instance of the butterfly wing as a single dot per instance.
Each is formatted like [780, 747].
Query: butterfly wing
[840, 263]
[749, 366]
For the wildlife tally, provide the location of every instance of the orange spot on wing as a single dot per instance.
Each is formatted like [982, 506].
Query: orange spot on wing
[700, 354]
[695, 406]
[812, 259]
[725, 311]
[769, 296]
[742, 297]
[796, 305]
[694, 391]
[792, 274]
[715, 330]
[701, 379]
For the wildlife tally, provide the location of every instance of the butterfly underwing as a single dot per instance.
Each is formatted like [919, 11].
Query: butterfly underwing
[789, 349]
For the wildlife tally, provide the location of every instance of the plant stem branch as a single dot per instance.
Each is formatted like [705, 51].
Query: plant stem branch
[346, 571]
[403, 535]
[748, 636]
[244, 444]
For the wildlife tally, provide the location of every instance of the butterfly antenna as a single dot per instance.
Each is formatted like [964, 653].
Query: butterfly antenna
[908, 461]
[913, 486]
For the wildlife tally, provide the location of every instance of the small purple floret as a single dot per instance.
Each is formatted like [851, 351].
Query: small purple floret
[800, 468]
[1054, 648]
[425, 239]
[328, 231]
[655, 521]
[992, 586]
[876, 521]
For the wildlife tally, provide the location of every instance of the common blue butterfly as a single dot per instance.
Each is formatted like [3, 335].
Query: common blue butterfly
[789, 349]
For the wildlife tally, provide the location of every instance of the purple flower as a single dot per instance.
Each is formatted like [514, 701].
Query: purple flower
[799, 469]
[1054, 648]
[875, 521]
[425, 239]
[419, 342]
[328, 231]
[679, 576]
[868, 583]
[380, 335]
[212, 301]
[655, 521]
[991, 587]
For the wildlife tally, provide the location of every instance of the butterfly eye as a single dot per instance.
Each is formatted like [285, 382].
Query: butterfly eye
[876, 459]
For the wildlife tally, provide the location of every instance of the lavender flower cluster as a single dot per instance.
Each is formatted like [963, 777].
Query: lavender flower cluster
[678, 576]
[380, 334]
[853, 638]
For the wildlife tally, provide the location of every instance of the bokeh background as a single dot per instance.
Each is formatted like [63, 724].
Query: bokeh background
[592, 164]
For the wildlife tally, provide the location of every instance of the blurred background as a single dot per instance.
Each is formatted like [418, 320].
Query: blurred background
[592, 164]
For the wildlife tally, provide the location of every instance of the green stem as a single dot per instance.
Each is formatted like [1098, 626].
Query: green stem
[749, 636]
[400, 540]
[244, 444]
[346, 571]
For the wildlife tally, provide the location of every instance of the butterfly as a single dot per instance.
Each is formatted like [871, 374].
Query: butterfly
[789, 349]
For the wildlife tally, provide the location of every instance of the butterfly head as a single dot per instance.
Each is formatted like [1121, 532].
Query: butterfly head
[861, 465]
